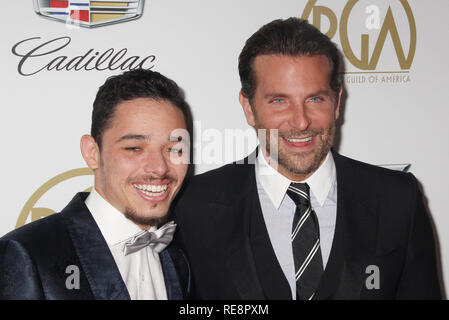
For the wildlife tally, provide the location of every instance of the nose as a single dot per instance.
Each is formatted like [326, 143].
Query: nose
[299, 118]
[155, 164]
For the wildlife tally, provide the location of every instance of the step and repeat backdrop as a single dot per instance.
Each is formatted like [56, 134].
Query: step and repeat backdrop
[55, 54]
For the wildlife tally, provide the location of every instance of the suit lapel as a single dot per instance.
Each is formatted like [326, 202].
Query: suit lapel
[248, 254]
[96, 259]
[271, 276]
[354, 239]
[232, 210]
[172, 283]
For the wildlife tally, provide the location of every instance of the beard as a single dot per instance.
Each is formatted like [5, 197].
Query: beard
[148, 217]
[140, 219]
[302, 163]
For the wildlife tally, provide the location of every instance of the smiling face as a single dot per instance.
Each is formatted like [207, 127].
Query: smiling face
[140, 166]
[294, 97]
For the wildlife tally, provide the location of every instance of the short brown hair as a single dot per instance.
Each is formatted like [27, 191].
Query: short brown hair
[290, 37]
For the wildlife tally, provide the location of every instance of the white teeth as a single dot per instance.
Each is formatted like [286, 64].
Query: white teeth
[151, 189]
[152, 194]
[299, 140]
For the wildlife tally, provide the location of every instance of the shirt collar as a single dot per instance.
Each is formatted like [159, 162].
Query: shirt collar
[275, 184]
[113, 224]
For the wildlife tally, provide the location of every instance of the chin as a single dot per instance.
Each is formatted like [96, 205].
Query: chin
[301, 164]
[153, 218]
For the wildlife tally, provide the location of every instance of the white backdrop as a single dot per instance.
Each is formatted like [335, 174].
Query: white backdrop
[398, 118]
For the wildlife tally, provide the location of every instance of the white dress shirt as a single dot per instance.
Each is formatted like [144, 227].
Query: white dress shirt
[141, 271]
[278, 210]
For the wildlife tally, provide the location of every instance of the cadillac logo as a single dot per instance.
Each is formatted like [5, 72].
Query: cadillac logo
[89, 14]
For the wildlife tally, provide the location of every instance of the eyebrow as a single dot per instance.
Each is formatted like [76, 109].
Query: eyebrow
[316, 93]
[133, 137]
[320, 92]
[272, 95]
[145, 137]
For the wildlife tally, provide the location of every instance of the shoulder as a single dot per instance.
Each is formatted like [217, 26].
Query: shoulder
[374, 179]
[208, 196]
[48, 229]
[37, 243]
[35, 232]
[23, 253]
[213, 185]
[45, 238]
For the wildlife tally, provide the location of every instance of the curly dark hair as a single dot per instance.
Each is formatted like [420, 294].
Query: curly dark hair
[138, 83]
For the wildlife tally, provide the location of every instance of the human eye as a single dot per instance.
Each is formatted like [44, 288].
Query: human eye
[132, 149]
[316, 99]
[175, 150]
[278, 100]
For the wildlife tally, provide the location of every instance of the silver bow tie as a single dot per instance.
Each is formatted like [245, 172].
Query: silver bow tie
[158, 239]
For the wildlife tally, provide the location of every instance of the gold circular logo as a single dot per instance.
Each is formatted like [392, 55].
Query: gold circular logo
[37, 213]
[367, 60]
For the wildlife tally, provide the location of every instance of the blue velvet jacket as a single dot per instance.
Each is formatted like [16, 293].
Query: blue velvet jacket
[35, 257]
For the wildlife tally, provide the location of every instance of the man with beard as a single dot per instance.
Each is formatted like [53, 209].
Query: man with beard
[297, 220]
[114, 242]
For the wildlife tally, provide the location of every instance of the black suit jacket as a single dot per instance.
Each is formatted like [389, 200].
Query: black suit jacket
[381, 221]
[34, 258]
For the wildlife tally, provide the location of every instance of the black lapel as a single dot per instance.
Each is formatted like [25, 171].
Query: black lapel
[272, 278]
[96, 259]
[172, 276]
[238, 254]
[354, 239]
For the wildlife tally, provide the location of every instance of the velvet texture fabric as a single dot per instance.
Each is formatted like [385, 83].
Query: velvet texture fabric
[35, 257]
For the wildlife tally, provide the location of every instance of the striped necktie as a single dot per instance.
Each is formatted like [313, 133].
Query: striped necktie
[305, 243]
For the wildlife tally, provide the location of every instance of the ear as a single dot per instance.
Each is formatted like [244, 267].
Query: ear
[244, 101]
[337, 105]
[90, 151]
